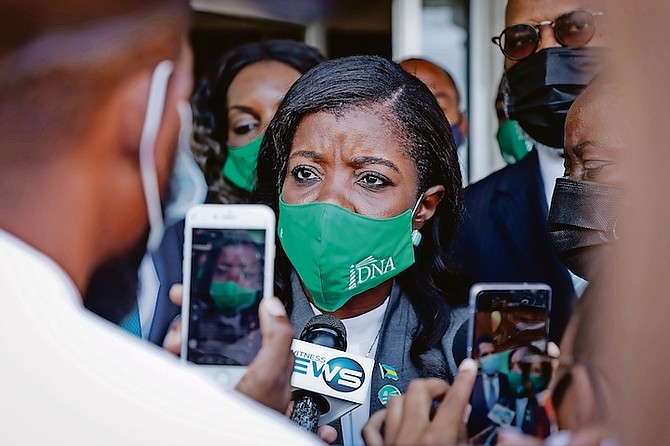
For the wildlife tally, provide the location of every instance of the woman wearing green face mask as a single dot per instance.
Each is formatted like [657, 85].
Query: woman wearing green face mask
[232, 108]
[361, 168]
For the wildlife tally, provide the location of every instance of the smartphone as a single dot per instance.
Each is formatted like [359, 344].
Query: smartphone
[513, 314]
[228, 268]
[508, 329]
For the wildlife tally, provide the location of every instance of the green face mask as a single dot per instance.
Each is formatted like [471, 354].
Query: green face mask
[513, 146]
[230, 297]
[240, 165]
[516, 383]
[339, 254]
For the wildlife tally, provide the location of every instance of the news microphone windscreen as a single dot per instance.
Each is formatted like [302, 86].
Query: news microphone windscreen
[325, 330]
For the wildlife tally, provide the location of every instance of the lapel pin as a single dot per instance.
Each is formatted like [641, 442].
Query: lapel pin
[388, 372]
[387, 392]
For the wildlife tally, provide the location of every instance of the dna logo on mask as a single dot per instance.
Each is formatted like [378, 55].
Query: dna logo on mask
[368, 269]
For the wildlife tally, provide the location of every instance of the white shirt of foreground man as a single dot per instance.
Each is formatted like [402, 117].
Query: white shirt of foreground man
[72, 378]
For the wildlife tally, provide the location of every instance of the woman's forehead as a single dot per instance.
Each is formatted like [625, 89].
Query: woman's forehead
[359, 130]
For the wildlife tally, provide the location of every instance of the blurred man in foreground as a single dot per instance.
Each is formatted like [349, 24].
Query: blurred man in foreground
[90, 92]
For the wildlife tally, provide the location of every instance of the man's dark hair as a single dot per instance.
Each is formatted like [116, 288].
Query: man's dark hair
[485, 338]
[61, 60]
[525, 367]
[413, 114]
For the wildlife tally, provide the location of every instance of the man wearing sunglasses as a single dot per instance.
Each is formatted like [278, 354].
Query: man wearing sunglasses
[551, 53]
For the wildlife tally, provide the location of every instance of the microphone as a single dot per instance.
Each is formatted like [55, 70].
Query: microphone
[327, 331]
[335, 381]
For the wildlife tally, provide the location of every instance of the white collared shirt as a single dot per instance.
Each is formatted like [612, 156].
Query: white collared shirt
[551, 167]
[71, 377]
[487, 381]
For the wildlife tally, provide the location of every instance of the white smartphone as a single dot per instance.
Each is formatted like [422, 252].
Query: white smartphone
[228, 268]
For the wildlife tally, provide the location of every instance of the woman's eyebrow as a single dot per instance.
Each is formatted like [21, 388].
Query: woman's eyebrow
[371, 160]
[241, 108]
[310, 154]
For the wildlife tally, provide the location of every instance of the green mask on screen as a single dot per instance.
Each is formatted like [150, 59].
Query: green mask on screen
[339, 254]
[230, 297]
[516, 383]
[240, 165]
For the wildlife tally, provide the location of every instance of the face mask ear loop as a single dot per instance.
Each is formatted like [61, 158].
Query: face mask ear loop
[614, 233]
[416, 235]
[505, 90]
[152, 122]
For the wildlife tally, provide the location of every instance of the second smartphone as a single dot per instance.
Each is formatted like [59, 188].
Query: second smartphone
[228, 268]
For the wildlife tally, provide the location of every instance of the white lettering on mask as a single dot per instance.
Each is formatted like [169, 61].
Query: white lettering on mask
[368, 269]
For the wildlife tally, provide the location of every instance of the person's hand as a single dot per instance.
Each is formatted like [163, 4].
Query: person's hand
[513, 437]
[594, 435]
[172, 341]
[409, 418]
[268, 378]
[326, 433]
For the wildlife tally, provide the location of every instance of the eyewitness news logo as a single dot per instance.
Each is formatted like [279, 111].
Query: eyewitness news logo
[340, 373]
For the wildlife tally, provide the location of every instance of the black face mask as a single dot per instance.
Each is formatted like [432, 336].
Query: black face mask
[543, 86]
[582, 220]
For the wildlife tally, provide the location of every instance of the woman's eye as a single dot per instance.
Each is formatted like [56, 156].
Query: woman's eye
[374, 180]
[304, 174]
[244, 129]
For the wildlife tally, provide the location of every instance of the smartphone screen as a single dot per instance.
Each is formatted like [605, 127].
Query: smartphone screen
[509, 325]
[512, 316]
[226, 286]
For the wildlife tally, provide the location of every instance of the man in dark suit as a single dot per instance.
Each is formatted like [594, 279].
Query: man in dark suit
[491, 387]
[503, 236]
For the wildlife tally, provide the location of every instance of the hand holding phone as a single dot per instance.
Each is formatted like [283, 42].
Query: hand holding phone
[509, 325]
[228, 269]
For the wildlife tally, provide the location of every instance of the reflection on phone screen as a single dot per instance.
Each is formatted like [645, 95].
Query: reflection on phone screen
[226, 288]
[509, 338]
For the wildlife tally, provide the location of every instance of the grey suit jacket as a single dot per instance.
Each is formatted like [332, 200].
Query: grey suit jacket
[395, 340]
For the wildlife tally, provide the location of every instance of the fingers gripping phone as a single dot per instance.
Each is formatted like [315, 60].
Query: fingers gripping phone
[228, 268]
[508, 329]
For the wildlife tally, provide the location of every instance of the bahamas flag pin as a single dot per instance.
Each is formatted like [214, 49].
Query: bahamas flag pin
[388, 372]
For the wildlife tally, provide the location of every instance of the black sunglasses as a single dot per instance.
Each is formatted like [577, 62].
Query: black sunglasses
[575, 28]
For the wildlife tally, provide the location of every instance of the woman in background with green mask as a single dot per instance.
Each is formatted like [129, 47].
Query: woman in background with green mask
[233, 105]
[360, 166]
